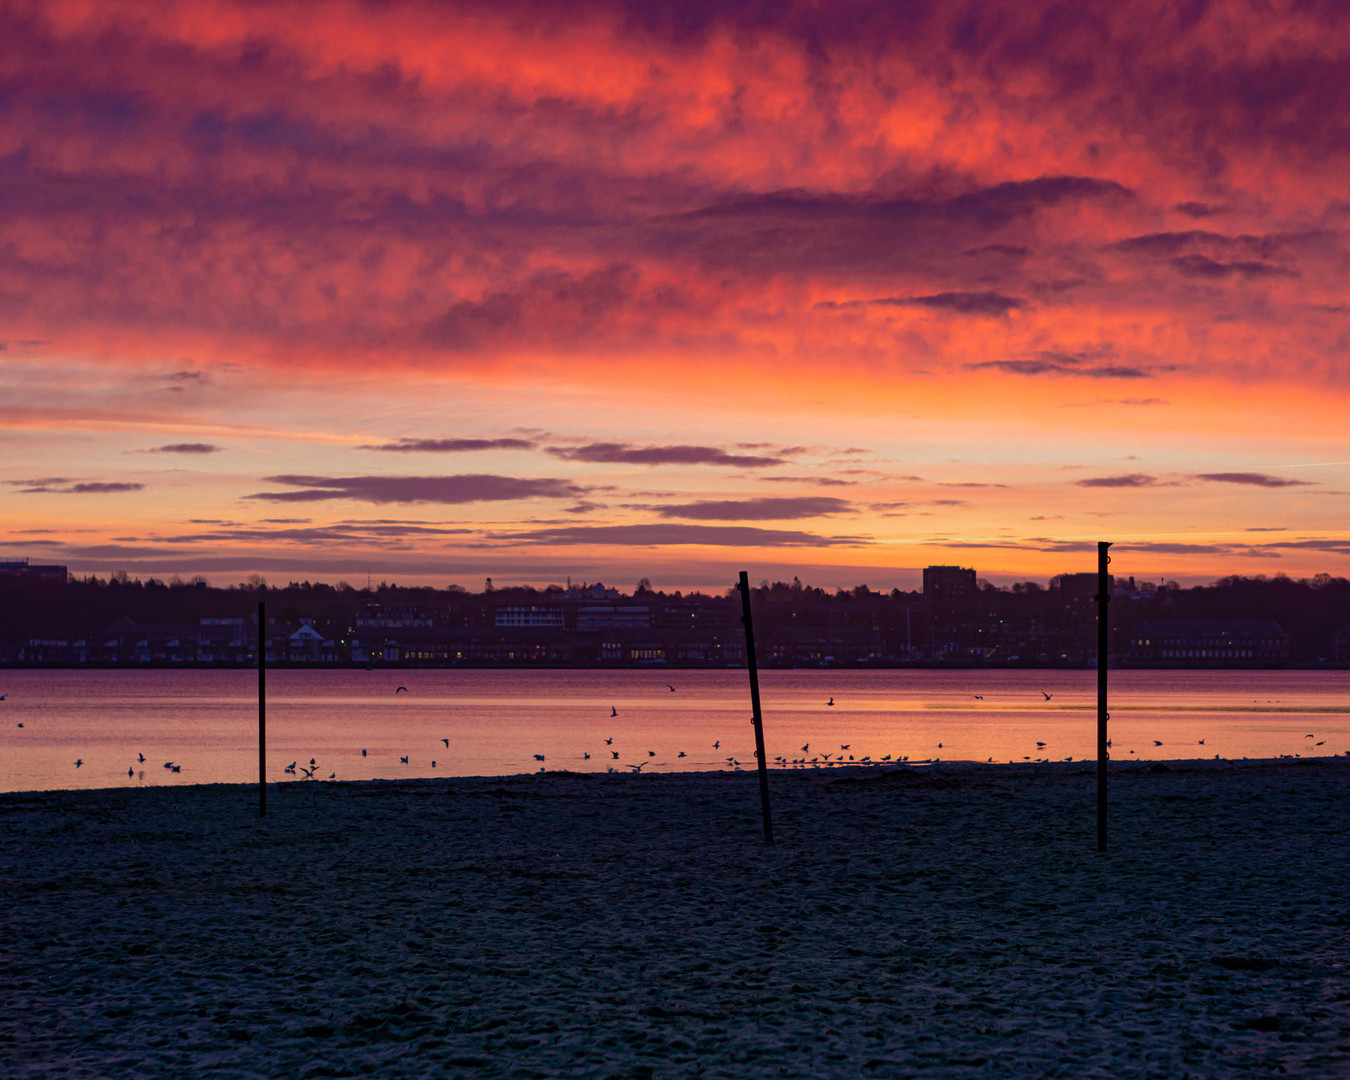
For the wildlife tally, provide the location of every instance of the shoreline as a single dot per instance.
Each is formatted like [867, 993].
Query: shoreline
[943, 921]
[856, 770]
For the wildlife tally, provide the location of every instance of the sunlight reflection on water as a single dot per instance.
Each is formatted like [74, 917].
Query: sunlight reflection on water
[496, 721]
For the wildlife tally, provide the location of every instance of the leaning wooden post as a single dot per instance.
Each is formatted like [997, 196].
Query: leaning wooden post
[1103, 628]
[753, 668]
[262, 708]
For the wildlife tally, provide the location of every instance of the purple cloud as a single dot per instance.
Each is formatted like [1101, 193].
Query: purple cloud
[1252, 479]
[1129, 480]
[627, 454]
[58, 485]
[680, 535]
[450, 446]
[962, 303]
[186, 448]
[419, 489]
[768, 509]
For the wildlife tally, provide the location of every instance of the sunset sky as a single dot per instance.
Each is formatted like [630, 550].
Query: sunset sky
[434, 292]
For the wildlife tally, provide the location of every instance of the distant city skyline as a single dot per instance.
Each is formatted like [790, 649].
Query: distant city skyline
[434, 293]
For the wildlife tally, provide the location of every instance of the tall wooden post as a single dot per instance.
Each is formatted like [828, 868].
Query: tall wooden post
[262, 708]
[753, 667]
[1103, 645]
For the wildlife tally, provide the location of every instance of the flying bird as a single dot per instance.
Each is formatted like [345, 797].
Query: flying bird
[717, 745]
[651, 753]
[309, 773]
[140, 758]
[79, 762]
[1046, 696]
[1156, 742]
[670, 688]
[447, 743]
[401, 690]
[613, 711]
[807, 746]
[403, 760]
[176, 768]
[830, 702]
[609, 741]
[614, 754]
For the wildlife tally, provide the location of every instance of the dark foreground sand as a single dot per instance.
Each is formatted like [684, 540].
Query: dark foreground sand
[952, 922]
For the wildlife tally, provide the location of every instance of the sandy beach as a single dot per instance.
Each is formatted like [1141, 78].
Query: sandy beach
[945, 922]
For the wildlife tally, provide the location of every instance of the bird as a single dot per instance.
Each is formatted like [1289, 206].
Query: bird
[363, 753]
[1040, 744]
[1046, 696]
[401, 690]
[176, 768]
[830, 702]
[681, 753]
[670, 688]
[979, 697]
[309, 773]
[845, 746]
[289, 768]
[538, 757]
[131, 771]
[333, 775]
[614, 754]
[586, 755]
[3, 696]
[651, 753]
[1157, 742]
[613, 711]
[1309, 736]
[638, 766]
[807, 746]
[79, 762]
[447, 743]
[312, 761]
[717, 745]
[433, 763]
[168, 764]
[1201, 741]
[140, 758]
[609, 741]
[403, 760]
[20, 725]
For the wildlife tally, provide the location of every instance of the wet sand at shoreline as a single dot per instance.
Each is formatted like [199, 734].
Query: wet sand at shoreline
[941, 922]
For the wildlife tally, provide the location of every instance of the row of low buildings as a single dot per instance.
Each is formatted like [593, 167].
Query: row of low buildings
[233, 642]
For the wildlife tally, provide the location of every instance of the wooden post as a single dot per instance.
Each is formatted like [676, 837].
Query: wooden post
[262, 708]
[753, 667]
[1103, 644]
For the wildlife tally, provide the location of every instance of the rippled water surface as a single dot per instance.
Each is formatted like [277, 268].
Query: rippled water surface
[478, 723]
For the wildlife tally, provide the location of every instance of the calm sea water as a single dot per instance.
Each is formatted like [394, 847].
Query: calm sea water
[482, 723]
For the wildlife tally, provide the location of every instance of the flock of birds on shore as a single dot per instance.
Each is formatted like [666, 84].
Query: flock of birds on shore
[820, 759]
